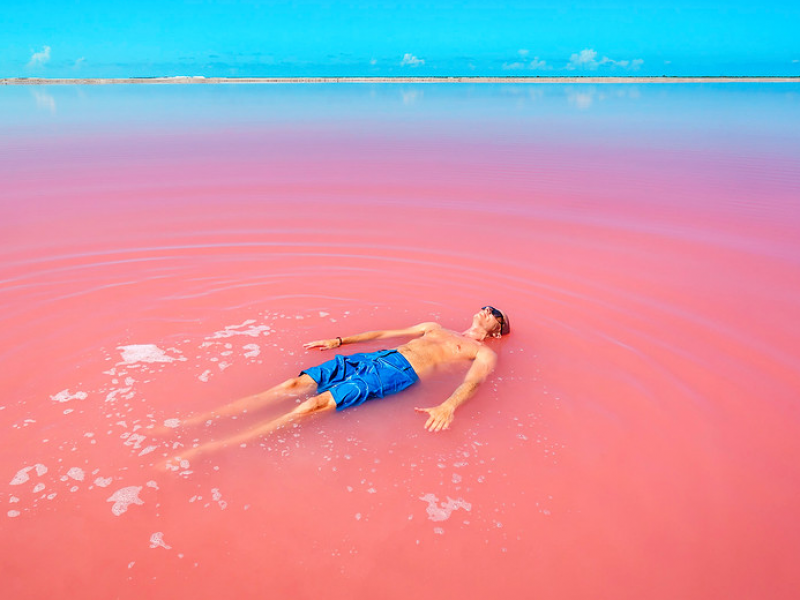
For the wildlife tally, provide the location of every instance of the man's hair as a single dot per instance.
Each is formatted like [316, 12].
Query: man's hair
[505, 325]
[505, 328]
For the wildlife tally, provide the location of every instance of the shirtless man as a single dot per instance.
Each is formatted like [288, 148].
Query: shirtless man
[351, 380]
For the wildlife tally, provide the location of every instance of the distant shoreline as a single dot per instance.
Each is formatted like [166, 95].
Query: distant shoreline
[295, 80]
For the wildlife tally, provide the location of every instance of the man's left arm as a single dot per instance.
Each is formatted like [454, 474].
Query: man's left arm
[441, 416]
[413, 331]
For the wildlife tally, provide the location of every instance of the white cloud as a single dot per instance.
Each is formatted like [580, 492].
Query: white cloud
[409, 60]
[538, 64]
[523, 53]
[79, 63]
[583, 59]
[373, 62]
[587, 59]
[535, 64]
[39, 59]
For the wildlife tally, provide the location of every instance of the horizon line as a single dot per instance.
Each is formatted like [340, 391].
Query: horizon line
[199, 79]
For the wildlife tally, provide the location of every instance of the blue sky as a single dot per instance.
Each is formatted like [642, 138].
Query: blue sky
[100, 38]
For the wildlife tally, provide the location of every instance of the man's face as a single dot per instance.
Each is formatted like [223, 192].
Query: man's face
[487, 320]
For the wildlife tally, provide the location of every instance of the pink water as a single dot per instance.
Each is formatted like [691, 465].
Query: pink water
[166, 250]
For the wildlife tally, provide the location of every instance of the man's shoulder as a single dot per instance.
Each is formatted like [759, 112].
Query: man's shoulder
[426, 327]
[485, 353]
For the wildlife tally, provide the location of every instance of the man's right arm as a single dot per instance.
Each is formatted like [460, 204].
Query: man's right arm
[440, 417]
[413, 331]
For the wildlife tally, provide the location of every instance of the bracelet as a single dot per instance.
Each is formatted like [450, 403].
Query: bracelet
[340, 341]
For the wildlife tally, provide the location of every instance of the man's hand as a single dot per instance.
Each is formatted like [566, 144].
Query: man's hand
[324, 344]
[440, 417]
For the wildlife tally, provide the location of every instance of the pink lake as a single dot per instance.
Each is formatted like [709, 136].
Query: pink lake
[168, 249]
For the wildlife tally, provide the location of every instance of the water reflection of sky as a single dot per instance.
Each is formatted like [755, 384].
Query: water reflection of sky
[764, 103]
[753, 118]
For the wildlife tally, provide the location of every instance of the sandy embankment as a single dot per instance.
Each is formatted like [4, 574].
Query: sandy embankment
[218, 80]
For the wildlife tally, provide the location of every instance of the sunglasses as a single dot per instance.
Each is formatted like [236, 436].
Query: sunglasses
[495, 313]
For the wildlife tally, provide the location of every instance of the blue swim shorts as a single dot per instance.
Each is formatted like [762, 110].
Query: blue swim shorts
[354, 379]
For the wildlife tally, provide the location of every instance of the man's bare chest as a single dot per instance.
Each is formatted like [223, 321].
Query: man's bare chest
[450, 345]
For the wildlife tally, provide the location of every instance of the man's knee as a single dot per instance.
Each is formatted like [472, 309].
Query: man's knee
[299, 384]
[318, 403]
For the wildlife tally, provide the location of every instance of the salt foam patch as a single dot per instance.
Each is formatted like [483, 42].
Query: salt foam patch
[145, 353]
[437, 512]
[22, 475]
[148, 450]
[126, 394]
[252, 350]
[157, 540]
[65, 396]
[217, 496]
[124, 497]
[76, 474]
[247, 328]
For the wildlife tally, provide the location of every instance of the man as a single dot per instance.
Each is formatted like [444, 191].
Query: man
[351, 380]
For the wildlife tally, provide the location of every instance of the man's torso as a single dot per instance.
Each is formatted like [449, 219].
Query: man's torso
[439, 347]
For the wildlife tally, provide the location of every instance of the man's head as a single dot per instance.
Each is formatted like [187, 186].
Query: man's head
[502, 326]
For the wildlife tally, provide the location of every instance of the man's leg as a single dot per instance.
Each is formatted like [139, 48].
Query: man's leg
[291, 388]
[316, 405]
